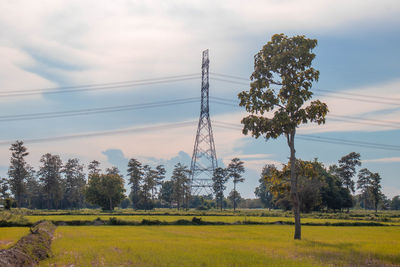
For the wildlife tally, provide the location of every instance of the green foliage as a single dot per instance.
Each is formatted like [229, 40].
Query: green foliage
[18, 170]
[93, 167]
[74, 183]
[395, 203]
[234, 171]
[135, 176]
[284, 62]
[219, 180]
[8, 203]
[4, 188]
[318, 188]
[347, 169]
[370, 185]
[126, 203]
[105, 190]
[263, 191]
[166, 192]
[50, 176]
[181, 184]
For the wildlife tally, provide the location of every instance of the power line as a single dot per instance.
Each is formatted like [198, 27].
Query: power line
[106, 133]
[335, 94]
[69, 113]
[332, 117]
[360, 95]
[104, 86]
[229, 76]
[322, 139]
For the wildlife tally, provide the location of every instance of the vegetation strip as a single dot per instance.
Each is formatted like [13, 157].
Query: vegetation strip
[193, 221]
[30, 249]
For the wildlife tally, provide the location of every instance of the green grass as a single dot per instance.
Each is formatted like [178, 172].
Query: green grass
[10, 235]
[249, 245]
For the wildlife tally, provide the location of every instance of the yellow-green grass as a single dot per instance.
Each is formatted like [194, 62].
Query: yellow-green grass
[239, 245]
[169, 218]
[10, 235]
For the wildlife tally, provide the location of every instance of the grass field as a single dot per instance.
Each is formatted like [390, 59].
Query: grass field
[241, 245]
[10, 235]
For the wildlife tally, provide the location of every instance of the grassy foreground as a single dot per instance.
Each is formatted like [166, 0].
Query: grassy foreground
[250, 245]
[10, 235]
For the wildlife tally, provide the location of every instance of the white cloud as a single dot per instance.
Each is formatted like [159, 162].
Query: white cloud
[376, 112]
[382, 160]
[116, 40]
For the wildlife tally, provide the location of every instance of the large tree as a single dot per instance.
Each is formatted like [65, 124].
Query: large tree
[74, 183]
[105, 190]
[17, 171]
[235, 170]
[279, 89]
[135, 176]
[50, 177]
[219, 180]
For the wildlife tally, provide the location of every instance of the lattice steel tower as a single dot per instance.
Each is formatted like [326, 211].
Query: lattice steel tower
[204, 159]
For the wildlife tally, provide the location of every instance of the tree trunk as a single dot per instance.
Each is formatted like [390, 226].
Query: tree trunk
[111, 204]
[234, 196]
[293, 188]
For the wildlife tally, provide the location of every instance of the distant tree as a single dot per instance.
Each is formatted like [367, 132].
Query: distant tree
[262, 191]
[135, 176]
[234, 197]
[75, 183]
[93, 167]
[283, 62]
[159, 176]
[17, 171]
[50, 177]
[219, 180]
[235, 170]
[113, 170]
[33, 190]
[125, 203]
[4, 188]
[105, 190]
[347, 169]
[395, 203]
[376, 189]
[181, 188]
[363, 183]
[166, 192]
[148, 185]
[334, 195]
[370, 184]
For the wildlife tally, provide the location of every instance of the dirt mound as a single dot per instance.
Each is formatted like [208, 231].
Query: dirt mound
[30, 249]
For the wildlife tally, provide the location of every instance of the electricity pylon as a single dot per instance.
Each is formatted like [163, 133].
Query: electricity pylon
[204, 159]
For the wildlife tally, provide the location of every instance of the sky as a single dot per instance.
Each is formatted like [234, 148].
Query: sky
[50, 46]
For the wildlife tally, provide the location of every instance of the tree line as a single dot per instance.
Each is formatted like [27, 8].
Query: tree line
[325, 189]
[58, 185]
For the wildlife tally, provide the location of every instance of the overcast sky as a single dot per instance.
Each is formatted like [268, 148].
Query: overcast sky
[53, 44]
